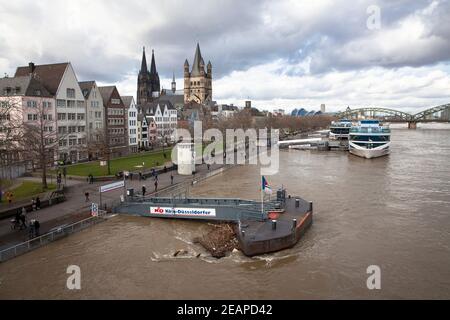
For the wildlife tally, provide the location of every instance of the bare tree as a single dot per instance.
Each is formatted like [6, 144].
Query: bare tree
[10, 130]
[100, 146]
[40, 138]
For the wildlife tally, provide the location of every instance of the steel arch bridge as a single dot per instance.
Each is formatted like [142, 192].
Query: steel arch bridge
[352, 113]
[424, 114]
[396, 115]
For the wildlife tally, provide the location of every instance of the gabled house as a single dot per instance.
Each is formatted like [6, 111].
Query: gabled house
[95, 119]
[131, 122]
[61, 82]
[142, 132]
[25, 100]
[115, 121]
[165, 116]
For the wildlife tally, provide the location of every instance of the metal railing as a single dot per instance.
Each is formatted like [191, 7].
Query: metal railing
[54, 234]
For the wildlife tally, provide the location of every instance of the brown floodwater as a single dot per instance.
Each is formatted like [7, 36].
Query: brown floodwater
[393, 212]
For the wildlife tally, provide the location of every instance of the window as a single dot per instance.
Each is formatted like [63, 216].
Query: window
[70, 93]
[30, 117]
[61, 103]
[62, 130]
[70, 104]
[80, 116]
[80, 104]
[71, 116]
[61, 116]
[115, 101]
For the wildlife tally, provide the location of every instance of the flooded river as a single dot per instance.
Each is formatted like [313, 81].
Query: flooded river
[393, 212]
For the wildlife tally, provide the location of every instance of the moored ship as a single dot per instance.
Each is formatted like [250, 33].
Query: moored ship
[370, 139]
[340, 130]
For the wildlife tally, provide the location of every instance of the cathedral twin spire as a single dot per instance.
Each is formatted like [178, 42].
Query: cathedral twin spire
[148, 81]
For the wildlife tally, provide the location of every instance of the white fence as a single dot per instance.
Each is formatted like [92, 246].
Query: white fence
[52, 235]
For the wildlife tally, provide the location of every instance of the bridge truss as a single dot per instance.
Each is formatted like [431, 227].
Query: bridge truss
[392, 114]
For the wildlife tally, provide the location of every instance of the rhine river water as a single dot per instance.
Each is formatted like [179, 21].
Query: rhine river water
[393, 212]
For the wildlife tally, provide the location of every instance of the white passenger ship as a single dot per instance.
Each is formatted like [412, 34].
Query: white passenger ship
[370, 139]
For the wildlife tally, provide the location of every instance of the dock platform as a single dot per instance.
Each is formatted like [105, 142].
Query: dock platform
[277, 225]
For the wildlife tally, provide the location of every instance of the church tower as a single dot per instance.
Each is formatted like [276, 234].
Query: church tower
[148, 86]
[174, 84]
[198, 82]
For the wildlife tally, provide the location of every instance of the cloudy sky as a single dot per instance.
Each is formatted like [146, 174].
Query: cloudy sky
[279, 54]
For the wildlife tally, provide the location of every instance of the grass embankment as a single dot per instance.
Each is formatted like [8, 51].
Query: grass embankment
[26, 190]
[132, 163]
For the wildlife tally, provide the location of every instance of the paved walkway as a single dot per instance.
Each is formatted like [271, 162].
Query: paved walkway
[76, 207]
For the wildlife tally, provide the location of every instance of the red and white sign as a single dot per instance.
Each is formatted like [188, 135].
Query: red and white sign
[186, 212]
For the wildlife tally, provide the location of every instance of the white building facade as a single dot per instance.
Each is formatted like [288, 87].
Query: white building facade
[132, 123]
[95, 118]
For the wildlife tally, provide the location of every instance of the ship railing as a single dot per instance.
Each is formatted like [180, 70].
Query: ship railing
[53, 235]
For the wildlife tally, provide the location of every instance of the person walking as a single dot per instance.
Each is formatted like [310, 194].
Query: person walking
[23, 218]
[156, 185]
[171, 179]
[9, 197]
[37, 225]
[144, 190]
[86, 194]
[33, 204]
[38, 203]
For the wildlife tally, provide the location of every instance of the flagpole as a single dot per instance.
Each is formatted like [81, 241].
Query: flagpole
[262, 196]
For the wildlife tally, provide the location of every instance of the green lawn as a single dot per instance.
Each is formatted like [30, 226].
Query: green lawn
[150, 160]
[5, 184]
[27, 189]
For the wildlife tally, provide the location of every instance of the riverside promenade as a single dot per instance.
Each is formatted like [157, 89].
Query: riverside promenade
[76, 208]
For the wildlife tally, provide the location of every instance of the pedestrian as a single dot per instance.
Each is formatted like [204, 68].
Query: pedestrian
[92, 179]
[23, 218]
[9, 197]
[33, 204]
[140, 175]
[156, 177]
[156, 185]
[131, 176]
[165, 169]
[171, 179]
[144, 190]
[208, 166]
[31, 229]
[38, 203]
[17, 218]
[37, 225]
[86, 194]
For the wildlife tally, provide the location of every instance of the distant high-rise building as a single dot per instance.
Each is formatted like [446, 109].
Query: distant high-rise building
[248, 104]
[323, 108]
